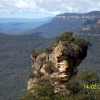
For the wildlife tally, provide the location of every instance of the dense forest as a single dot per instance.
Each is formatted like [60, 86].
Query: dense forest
[91, 62]
[15, 51]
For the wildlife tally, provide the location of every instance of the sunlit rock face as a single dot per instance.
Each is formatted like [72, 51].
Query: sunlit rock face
[36, 62]
[65, 58]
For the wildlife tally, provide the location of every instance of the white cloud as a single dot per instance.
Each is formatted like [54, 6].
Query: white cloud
[46, 7]
[55, 12]
[21, 4]
[98, 4]
[23, 10]
[5, 10]
[0, 5]
[5, 0]
[93, 9]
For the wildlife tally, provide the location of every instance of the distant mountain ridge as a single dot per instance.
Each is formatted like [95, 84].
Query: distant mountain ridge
[93, 14]
[19, 25]
[66, 22]
[16, 20]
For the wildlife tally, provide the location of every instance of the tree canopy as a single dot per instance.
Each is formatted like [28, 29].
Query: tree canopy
[80, 90]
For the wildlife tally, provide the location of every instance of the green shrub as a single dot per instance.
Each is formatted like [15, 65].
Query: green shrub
[82, 42]
[65, 36]
[44, 90]
[35, 53]
[42, 60]
[49, 67]
[48, 49]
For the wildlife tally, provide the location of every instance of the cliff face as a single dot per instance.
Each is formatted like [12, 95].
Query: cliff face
[95, 26]
[65, 59]
[67, 16]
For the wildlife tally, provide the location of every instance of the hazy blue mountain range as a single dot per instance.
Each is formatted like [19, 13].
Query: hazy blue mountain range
[19, 25]
[66, 22]
[16, 20]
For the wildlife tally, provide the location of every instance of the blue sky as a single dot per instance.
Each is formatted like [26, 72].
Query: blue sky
[45, 8]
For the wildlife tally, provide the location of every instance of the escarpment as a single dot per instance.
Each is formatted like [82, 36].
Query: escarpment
[59, 60]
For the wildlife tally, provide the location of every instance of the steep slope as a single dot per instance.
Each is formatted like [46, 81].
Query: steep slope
[91, 28]
[92, 61]
[66, 22]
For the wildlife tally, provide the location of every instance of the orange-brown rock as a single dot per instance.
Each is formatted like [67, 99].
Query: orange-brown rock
[65, 58]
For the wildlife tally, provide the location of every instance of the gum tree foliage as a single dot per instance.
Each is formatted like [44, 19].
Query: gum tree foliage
[67, 37]
[49, 67]
[89, 78]
[82, 42]
[48, 49]
[35, 53]
[44, 90]
[76, 85]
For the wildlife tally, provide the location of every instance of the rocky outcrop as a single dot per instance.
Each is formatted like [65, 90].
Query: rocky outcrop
[65, 57]
[87, 28]
[91, 26]
[31, 82]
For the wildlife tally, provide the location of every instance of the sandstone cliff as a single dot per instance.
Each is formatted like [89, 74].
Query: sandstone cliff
[60, 60]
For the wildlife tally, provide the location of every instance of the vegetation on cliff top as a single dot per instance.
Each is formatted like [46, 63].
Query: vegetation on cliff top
[66, 38]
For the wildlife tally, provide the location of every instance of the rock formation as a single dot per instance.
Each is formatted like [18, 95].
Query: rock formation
[64, 59]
